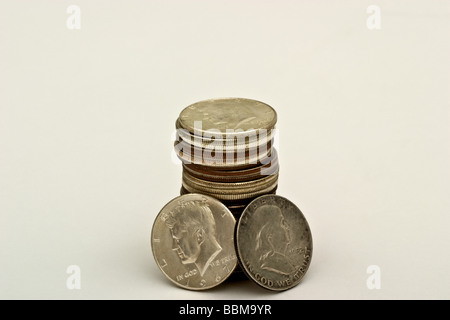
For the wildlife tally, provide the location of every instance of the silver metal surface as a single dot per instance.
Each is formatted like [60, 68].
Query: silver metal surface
[193, 241]
[274, 242]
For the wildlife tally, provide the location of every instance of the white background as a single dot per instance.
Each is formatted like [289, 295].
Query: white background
[86, 119]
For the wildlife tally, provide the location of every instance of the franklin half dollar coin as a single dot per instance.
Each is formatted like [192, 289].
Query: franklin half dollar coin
[193, 241]
[274, 242]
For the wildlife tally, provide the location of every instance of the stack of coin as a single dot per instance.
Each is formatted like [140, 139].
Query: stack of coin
[228, 223]
[226, 147]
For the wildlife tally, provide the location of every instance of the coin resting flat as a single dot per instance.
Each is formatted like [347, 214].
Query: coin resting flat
[225, 114]
[193, 241]
[274, 242]
[226, 133]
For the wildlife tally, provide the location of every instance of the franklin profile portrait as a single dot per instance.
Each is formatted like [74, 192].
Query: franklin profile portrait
[272, 240]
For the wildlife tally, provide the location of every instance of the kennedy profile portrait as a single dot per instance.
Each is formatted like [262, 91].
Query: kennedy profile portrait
[193, 230]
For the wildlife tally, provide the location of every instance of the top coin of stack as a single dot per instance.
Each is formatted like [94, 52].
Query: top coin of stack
[226, 146]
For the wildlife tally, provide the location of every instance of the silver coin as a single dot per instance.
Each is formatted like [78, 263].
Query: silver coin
[233, 142]
[249, 174]
[193, 241]
[274, 242]
[217, 159]
[233, 196]
[230, 187]
[241, 116]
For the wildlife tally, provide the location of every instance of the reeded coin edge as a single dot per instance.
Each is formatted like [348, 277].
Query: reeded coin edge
[225, 187]
[237, 196]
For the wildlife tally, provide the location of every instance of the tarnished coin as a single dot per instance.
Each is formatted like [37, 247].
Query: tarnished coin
[217, 158]
[249, 174]
[229, 187]
[234, 195]
[193, 241]
[274, 242]
[233, 140]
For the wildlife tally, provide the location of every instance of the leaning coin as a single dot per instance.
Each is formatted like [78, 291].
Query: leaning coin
[274, 242]
[193, 241]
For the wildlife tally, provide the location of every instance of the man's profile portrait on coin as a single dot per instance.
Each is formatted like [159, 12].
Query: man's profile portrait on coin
[193, 230]
[272, 239]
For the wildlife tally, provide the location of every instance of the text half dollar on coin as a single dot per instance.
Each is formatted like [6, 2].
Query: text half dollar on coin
[192, 241]
[274, 242]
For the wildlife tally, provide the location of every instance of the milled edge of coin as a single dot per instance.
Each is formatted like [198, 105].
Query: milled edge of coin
[242, 175]
[238, 251]
[226, 187]
[203, 157]
[188, 195]
[233, 196]
[248, 136]
[251, 175]
[238, 204]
